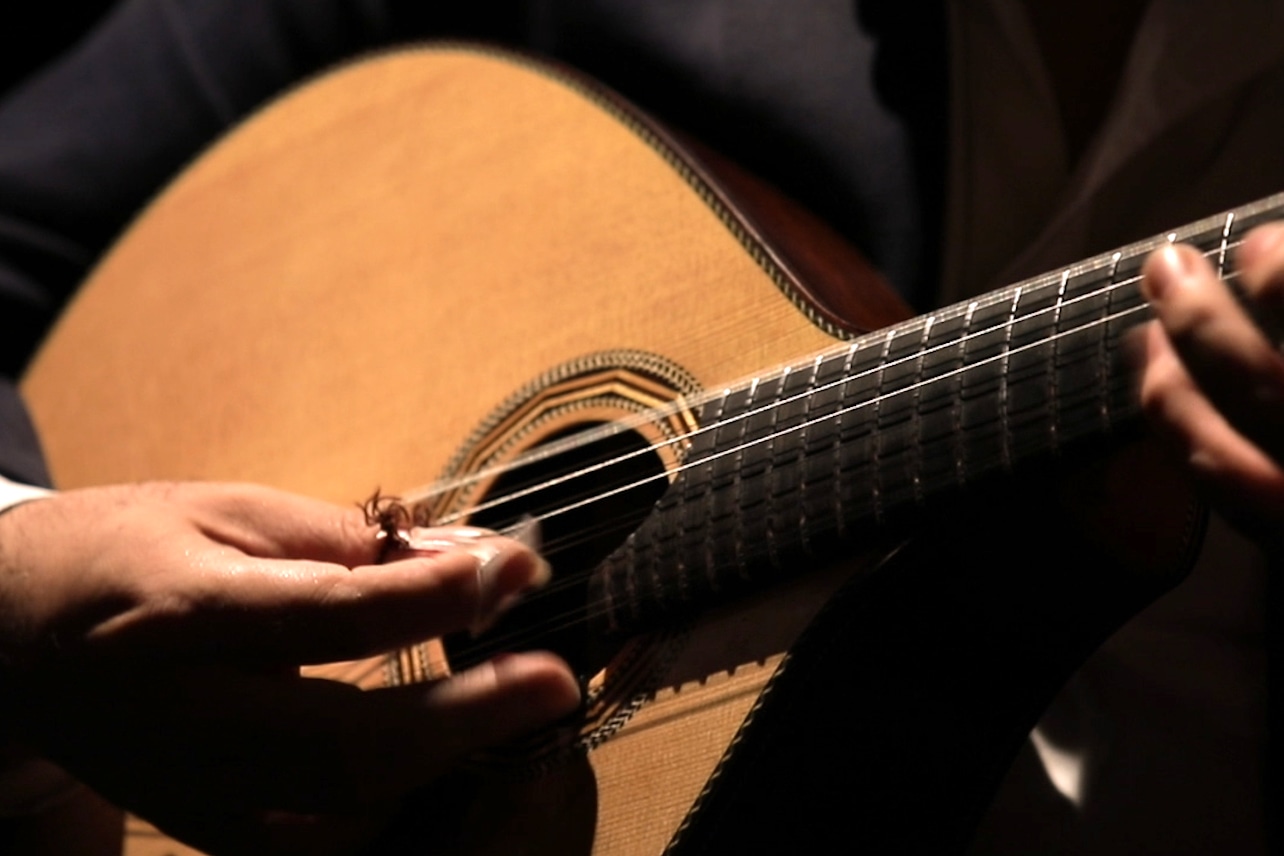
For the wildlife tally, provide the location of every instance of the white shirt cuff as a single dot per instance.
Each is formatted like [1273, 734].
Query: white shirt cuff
[12, 493]
[28, 784]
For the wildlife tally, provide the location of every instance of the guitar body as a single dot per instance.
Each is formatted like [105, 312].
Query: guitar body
[431, 261]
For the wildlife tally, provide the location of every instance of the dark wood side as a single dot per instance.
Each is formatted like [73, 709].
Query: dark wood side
[826, 271]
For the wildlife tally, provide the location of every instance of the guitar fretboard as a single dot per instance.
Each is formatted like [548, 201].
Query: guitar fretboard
[789, 465]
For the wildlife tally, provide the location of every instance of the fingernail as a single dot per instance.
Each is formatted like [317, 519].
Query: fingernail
[1167, 267]
[504, 572]
[436, 539]
[503, 578]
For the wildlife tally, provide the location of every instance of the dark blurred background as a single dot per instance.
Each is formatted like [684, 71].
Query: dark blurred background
[24, 48]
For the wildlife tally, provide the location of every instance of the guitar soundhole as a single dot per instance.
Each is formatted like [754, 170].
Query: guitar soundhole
[587, 501]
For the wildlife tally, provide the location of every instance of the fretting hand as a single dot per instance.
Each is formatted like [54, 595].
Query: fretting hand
[1214, 381]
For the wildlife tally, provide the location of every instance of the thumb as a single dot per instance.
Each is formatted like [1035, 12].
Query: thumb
[376, 746]
[396, 739]
[502, 698]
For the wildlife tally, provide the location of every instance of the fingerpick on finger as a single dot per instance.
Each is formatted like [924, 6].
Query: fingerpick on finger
[506, 568]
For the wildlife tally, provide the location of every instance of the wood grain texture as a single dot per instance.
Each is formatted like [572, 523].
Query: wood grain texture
[332, 298]
[359, 257]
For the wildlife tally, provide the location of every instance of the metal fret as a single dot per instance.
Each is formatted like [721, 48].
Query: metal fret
[1005, 428]
[710, 552]
[876, 491]
[917, 415]
[788, 464]
[1103, 349]
[804, 484]
[960, 447]
[1221, 251]
[1054, 386]
[771, 473]
[738, 469]
[839, 508]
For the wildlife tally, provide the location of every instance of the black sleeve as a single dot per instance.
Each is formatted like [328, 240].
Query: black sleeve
[20, 458]
[86, 143]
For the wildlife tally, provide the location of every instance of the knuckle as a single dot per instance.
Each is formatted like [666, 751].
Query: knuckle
[1193, 317]
[1159, 383]
[337, 591]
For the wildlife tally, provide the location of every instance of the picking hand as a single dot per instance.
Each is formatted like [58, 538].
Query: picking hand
[151, 635]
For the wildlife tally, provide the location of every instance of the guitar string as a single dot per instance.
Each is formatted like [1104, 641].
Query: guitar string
[589, 498]
[595, 494]
[777, 434]
[574, 578]
[586, 612]
[584, 534]
[566, 620]
[583, 439]
[576, 616]
[596, 434]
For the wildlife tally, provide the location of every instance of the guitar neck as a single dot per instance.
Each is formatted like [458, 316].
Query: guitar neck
[789, 464]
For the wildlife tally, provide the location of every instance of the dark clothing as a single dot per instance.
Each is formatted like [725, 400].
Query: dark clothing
[790, 89]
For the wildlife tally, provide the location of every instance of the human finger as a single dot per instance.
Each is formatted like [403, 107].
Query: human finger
[317, 747]
[1260, 261]
[302, 611]
[1225, 353]
[400, 738]
[215, 830]
[269, 523]
[1238, 476]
